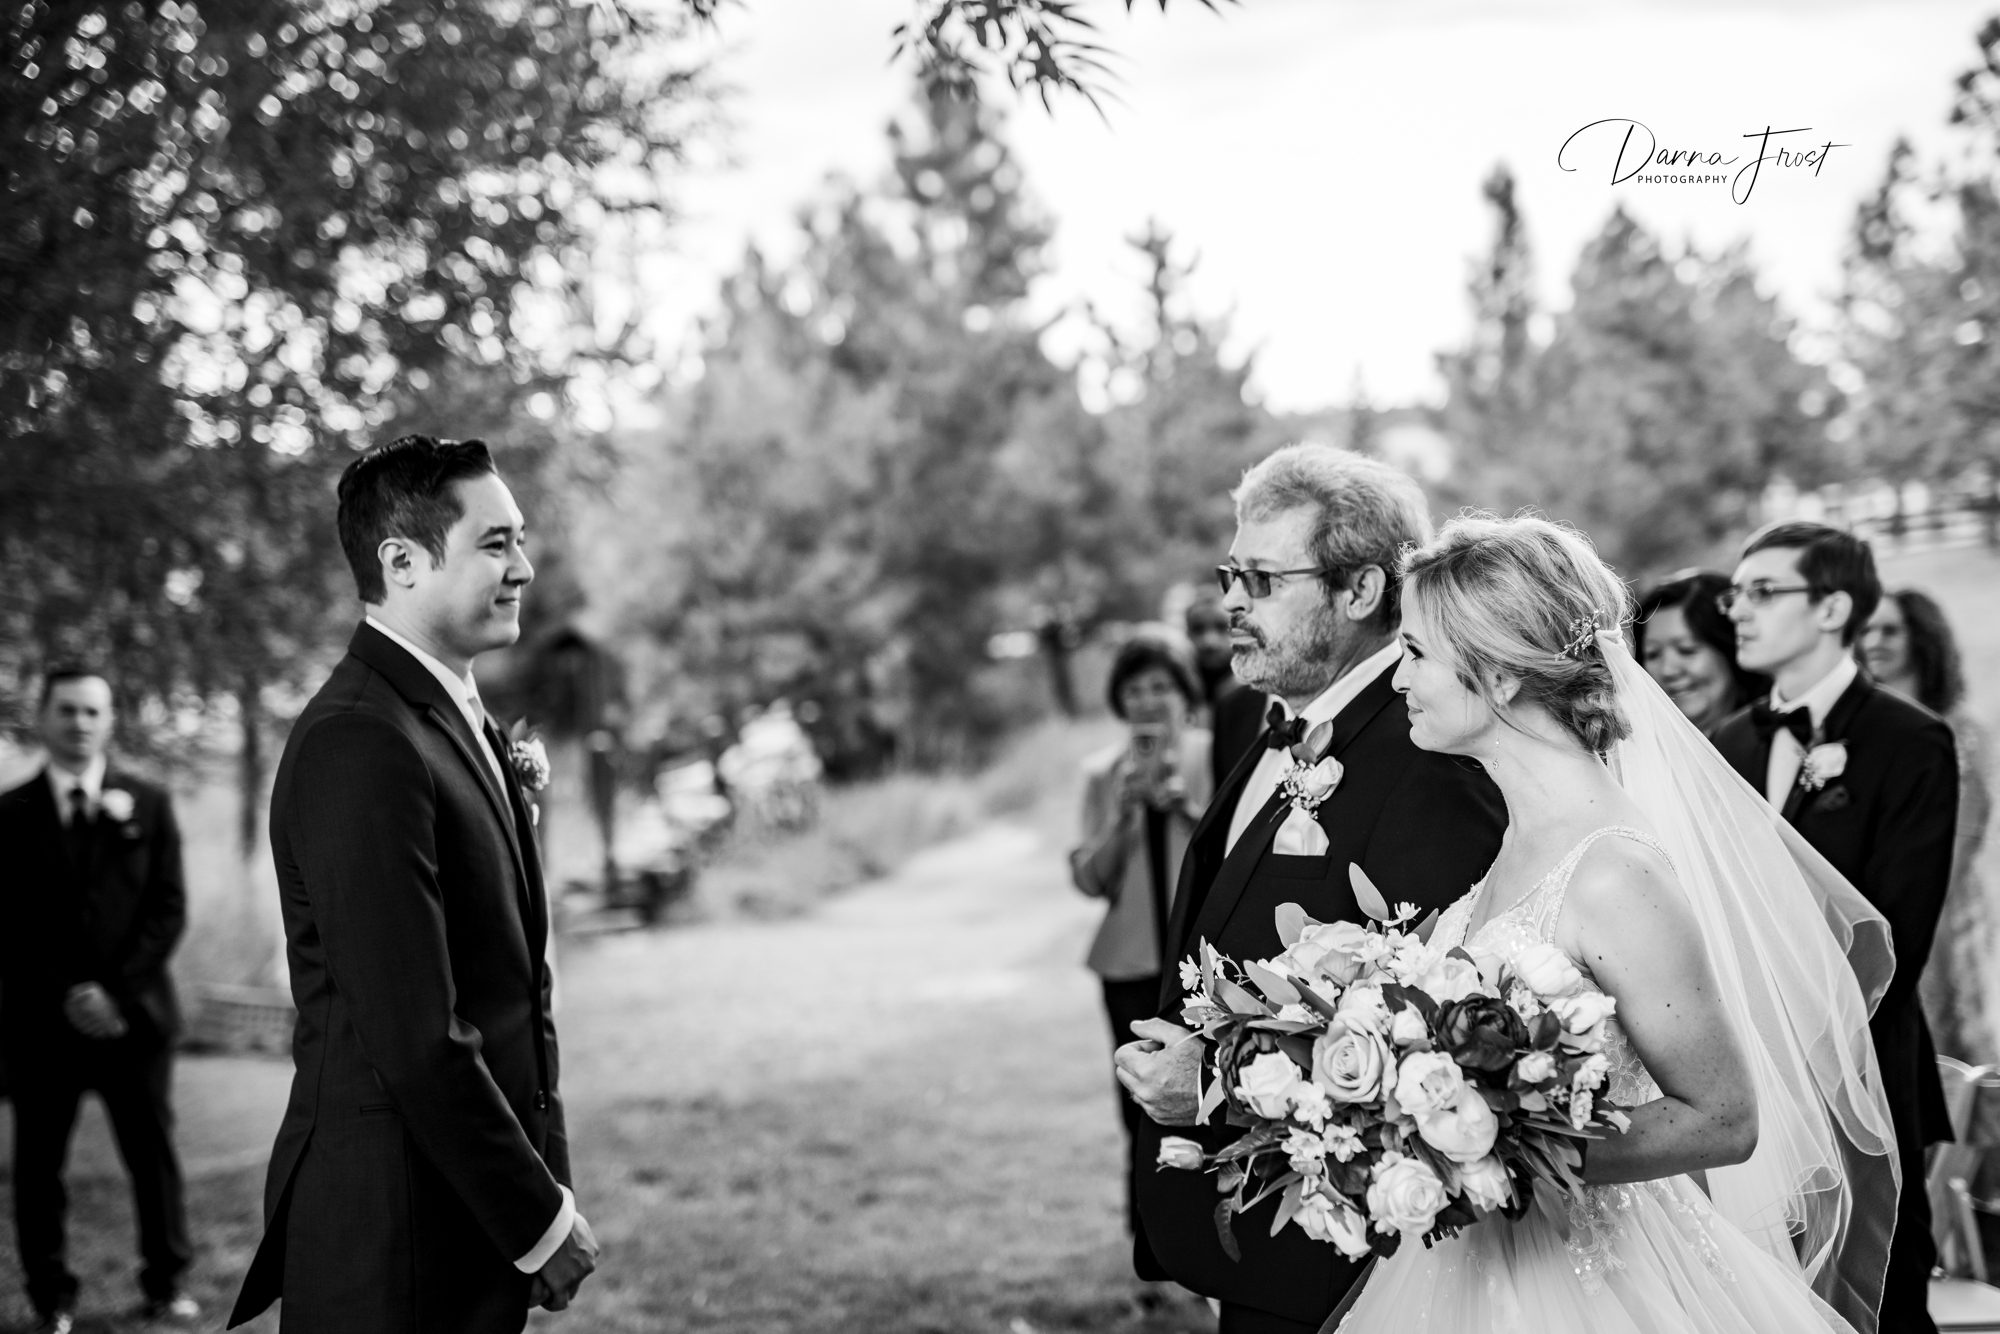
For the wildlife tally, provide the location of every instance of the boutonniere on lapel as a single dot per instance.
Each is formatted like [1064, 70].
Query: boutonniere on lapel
[529, 757]
[1314, 773]
[117, 806]
[1823, 763]
[1306, 785]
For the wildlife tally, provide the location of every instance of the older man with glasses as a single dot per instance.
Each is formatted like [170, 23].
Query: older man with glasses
[1870, 779]
[1311, 588]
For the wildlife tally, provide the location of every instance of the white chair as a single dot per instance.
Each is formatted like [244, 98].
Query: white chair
[1961, 1300]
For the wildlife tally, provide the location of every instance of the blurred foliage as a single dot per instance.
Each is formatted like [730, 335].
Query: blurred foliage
[1048, 47]
[1921, 315]
[240, 240]
[1658, 408]
[879, 469]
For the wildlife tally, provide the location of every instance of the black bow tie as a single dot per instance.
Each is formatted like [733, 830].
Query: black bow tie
[1768, 722]
[1285, 732]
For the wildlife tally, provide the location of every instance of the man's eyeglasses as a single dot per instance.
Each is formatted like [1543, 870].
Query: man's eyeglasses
[1756, 593]
[1257, 583]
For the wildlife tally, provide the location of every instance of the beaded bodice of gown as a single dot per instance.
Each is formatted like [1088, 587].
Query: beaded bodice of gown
[1532, 921]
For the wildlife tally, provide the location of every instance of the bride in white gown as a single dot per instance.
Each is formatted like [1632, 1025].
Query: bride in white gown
[1755, 1189]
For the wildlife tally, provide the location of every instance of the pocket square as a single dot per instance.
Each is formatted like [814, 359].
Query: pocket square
[1300, 836]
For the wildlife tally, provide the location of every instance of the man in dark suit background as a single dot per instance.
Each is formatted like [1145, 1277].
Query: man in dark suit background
[420, 1183]
[1871, 780]
[93, 904]
[1235, 711]
[1313, 600]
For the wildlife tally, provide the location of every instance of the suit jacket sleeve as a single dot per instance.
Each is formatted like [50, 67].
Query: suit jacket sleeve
[1438, 833]
[163, 911]
[364, 839]
[556, 1151]
[1909, 856]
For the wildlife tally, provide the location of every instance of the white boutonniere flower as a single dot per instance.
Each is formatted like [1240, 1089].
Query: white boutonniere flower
[1824, 763]
[529, 758]
[1314, 773]
[117, 804]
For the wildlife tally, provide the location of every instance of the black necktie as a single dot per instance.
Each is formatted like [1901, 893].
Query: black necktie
[1768, 722]
[1285, 732]
[77, 834]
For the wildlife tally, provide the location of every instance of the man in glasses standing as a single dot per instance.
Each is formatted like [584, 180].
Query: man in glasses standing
[1312, 593]
[1870, 779]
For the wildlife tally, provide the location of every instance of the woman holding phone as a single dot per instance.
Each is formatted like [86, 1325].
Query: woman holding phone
[1141, 799]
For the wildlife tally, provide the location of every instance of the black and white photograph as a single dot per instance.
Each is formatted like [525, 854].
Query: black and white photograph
[999, 666]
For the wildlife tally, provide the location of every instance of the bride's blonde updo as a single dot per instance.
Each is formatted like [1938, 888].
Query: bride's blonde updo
[1524, 597]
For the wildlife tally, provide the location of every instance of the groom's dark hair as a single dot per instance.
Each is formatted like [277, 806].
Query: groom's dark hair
[1831, 560]
[404, 489]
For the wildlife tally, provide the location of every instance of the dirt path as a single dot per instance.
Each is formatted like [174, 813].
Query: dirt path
[738, 1010]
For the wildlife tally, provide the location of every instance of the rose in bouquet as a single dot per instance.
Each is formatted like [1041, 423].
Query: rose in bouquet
[1388, 1089]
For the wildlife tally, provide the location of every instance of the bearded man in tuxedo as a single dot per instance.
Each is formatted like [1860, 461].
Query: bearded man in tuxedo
[92, 907]
[420, 1183]
[1870, 779]
[1312, 591]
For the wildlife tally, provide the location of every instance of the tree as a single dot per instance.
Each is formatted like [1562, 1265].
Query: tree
[1489, 382]
[1181, 439]
[1047, 46]
[1667, 398]
[878, 469]
[236, 242]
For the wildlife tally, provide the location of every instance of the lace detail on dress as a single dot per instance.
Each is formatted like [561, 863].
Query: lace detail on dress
[1597, 1218]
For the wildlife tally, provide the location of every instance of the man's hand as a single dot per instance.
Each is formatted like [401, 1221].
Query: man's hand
[555, 1283]
[91, 1012]
[1162, 1071]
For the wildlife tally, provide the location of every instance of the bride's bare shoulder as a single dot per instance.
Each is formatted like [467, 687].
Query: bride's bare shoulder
[1621, 883]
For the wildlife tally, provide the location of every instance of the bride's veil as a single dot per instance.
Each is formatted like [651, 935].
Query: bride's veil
[1802, 959]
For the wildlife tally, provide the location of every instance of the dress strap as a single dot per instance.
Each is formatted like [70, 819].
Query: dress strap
[1548, 896]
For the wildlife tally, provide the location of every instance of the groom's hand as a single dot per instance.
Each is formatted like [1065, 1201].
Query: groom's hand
[91, 1011]
[555, 1283]
[1162, 1071]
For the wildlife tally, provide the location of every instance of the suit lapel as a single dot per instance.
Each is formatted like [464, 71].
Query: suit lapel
[47, 817]
[423, 691]
[1838, 719]
[527, 855]
[1238, 867]
[1204, 850]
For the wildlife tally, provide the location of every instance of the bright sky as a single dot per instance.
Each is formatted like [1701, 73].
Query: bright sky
[1324, 157]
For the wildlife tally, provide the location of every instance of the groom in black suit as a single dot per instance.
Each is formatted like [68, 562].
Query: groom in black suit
[1313, 599]
[420, 1183]
[1871, 780]
[92, 906]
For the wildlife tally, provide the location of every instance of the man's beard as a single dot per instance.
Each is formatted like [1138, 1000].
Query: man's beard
[1298, 666]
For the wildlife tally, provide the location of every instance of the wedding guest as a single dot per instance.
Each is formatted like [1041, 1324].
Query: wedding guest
[1234, 712]
[1909, 647]
[1870, 779]
[1689, 647]
[93, 905]
[1141, 799]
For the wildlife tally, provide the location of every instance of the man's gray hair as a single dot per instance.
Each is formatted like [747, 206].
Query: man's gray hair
[1365, 513]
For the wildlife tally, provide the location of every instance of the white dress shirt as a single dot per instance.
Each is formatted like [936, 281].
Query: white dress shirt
[466, 695]
[1271, 766]
[1787, 755]
[64, 781]
[463, 691]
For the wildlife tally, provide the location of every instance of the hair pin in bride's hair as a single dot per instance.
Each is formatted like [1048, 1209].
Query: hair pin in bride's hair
[1582, 634]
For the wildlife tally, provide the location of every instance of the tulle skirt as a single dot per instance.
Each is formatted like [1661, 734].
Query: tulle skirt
[1651, 1258]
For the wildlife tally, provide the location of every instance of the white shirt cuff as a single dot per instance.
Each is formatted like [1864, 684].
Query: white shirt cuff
[546, 1247]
